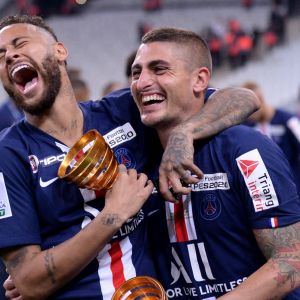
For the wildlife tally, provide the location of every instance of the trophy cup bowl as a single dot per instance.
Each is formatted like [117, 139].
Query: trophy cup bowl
[140, 288]
[90, 163]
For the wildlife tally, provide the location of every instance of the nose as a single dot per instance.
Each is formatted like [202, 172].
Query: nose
[145, 80]
[10, 56]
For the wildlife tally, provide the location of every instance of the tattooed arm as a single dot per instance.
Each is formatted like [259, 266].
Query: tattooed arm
[37, 274]
[225, 108]
[281, 273]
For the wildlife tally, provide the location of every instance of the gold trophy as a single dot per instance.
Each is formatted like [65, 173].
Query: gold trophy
[140, 288]
[90, 163]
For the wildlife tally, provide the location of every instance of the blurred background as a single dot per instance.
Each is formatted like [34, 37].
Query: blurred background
[256, 40]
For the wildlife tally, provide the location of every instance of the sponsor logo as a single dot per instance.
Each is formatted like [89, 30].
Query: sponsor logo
[210, 207]
[53, 159]
[248, 166]
[124, 157]
[131, 225]
[257, 180]
[5, 209]
[120, 135]
[153, 212]
[217, 181]
[44, 184]
[34, 163]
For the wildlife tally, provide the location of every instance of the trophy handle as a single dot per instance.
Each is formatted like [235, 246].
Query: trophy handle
[140, 288]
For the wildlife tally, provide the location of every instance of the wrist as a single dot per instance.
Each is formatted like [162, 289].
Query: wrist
[112, 218]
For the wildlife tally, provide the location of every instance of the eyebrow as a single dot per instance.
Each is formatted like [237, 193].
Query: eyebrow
[151, 65]
[14, 42]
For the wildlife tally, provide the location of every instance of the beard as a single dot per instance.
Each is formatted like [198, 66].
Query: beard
[52, 78]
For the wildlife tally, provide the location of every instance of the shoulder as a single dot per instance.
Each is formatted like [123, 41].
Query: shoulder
[118, 106]
[13, 138]
[240, 139]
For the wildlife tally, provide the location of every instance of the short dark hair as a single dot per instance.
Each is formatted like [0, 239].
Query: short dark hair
[26, 19]
[129, 62]
[185, 38]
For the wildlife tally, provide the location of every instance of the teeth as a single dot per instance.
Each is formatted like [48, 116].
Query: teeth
[153, 97]
[19, 68]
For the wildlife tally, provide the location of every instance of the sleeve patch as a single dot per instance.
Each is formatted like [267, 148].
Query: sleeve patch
[5, 210]
[258, 181]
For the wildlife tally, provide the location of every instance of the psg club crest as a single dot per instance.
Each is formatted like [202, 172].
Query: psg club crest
[125, 157]
[210, 207]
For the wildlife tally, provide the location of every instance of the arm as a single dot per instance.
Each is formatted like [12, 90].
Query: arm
[37, 274]
[281, 273]
[225, 108]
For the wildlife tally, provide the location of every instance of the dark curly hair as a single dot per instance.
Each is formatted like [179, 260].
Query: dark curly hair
[33, 20]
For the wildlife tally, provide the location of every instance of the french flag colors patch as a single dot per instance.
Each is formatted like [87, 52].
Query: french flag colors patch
[273, 222]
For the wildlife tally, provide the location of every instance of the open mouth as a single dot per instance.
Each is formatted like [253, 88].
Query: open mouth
[153, 99]
[25, 77]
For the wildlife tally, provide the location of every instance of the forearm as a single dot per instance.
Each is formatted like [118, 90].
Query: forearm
[38, 274]
[274, 280]
[225, 108]
[281, 274]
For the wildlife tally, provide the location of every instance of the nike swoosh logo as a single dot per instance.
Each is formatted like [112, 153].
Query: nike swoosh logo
[48, 182]
[152, 212]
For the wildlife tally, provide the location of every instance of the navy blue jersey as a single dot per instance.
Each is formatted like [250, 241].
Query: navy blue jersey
[284, 130]
[206, 246]
[9, 114]
[36, 207]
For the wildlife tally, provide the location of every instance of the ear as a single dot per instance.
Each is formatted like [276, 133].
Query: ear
[61, 52]
[202, 76]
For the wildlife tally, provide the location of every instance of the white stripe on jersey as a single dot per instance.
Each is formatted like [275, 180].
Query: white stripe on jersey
[105, 270]
[188, 219]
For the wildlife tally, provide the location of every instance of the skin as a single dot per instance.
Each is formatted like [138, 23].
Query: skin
[160, 68]
[35, 273]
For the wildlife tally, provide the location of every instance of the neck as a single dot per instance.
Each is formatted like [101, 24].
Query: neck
[64, 121]
[164, 135]
[269, 113]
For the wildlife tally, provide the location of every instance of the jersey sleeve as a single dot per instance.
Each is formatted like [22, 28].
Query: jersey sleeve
[266, 182]
[18, 217]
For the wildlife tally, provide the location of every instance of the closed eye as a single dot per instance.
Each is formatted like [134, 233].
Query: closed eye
[160, 70]
[21, 44]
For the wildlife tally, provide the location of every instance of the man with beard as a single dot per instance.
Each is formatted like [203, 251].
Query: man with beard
[236, 235]
[56, 239]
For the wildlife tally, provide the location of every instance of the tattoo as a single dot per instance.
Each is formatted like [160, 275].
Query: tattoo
[178, 150]
[110, 219]
[63, 130]
[50, 266]
[17, 259]
[281, 247]
[227, 107]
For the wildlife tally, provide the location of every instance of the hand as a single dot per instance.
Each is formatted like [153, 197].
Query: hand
[11, 291]
[177, 164]
[128, 194]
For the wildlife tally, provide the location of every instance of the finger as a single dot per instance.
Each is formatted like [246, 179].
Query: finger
[13, 294]
[177, 186]
[186, 173]
[122, 168]
[143, 178]
[132, 172]
[8, 284]
[149, 186]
